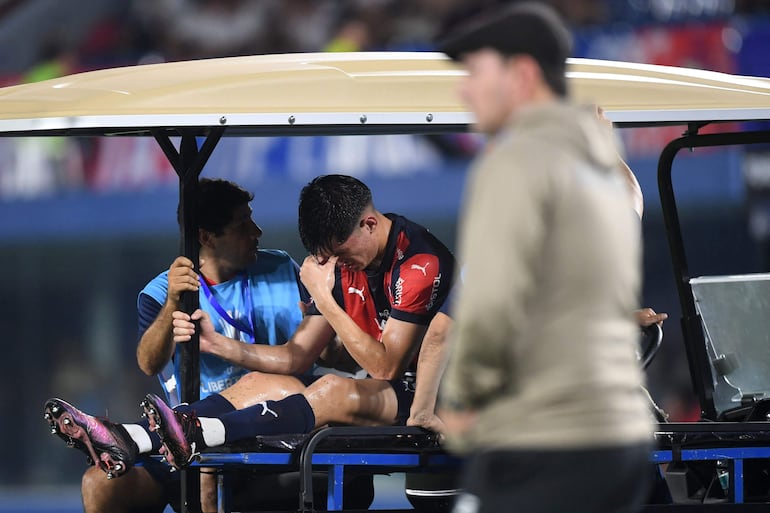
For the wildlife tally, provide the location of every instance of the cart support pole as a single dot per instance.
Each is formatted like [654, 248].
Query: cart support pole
[188, 162]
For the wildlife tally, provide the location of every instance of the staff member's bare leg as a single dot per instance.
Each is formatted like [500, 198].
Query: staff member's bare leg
[135, 491]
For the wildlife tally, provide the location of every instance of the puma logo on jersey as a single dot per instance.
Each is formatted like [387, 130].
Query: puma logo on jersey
[358, 292]
[421, 267]
[266, 410]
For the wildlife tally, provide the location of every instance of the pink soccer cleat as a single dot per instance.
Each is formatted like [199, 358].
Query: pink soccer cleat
[106, 444]
[180, 433]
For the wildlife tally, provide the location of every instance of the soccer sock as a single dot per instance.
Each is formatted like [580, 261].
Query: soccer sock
[146, 440]
[212, 406]
[149, 442]
[213, 431]
[290, 415]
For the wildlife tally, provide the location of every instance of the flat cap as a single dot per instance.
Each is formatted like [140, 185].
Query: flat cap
[527, 27]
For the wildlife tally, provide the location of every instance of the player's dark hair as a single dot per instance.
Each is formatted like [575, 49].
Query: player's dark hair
[330, 207]
[217, 200]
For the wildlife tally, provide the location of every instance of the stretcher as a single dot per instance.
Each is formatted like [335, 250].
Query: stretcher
[332, 450]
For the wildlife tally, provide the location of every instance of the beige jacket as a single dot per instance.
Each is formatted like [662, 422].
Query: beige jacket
[544, 338]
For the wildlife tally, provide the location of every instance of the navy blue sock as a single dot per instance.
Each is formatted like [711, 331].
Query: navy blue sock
[290, 415]
[154, 438]
[212, 406]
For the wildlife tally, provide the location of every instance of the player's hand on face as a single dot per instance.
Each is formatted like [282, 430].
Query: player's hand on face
[181, 278]
[317, 277]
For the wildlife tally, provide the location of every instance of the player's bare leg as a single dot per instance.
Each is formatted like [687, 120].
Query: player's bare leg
[361, 402]
[255, 387]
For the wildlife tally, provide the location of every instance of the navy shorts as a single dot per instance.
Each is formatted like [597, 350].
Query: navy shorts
[404, 389]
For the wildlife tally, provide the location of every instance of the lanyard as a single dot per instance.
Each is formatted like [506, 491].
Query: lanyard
[235, 323]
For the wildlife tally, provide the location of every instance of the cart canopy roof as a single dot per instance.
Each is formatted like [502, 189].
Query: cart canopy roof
[367, 92]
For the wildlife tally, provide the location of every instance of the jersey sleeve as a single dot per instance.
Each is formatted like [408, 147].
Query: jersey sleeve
[419, 287]
[148, 310]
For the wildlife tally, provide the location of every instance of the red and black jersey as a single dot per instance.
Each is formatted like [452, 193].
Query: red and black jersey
[411, 284]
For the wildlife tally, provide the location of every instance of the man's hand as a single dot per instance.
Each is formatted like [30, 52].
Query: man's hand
[647, 317]
[318, 278]
[184, 327]
[181, 278]
[426, 420]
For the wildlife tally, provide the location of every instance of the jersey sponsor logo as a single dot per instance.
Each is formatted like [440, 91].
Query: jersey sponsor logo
[399, 291]
[358, 292]
[434, 292]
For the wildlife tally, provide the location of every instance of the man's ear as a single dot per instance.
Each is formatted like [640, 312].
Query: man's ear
[530, 75]
[206, 238]
[370, 222]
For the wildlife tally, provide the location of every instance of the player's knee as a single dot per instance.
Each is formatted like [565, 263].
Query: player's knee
[251, 378]
[332, 385]
[95, 492]
[334, 390]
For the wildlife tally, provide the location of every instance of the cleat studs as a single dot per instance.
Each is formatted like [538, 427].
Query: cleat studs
[53, 430]
[66, 422]
[110, 475]
[118, 467]
[55, 409]
[47, 416]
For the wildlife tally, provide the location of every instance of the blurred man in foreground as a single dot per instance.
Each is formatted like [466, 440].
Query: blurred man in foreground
[543, 375]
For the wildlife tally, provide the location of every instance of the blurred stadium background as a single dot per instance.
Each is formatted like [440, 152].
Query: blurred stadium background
[85, 223]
